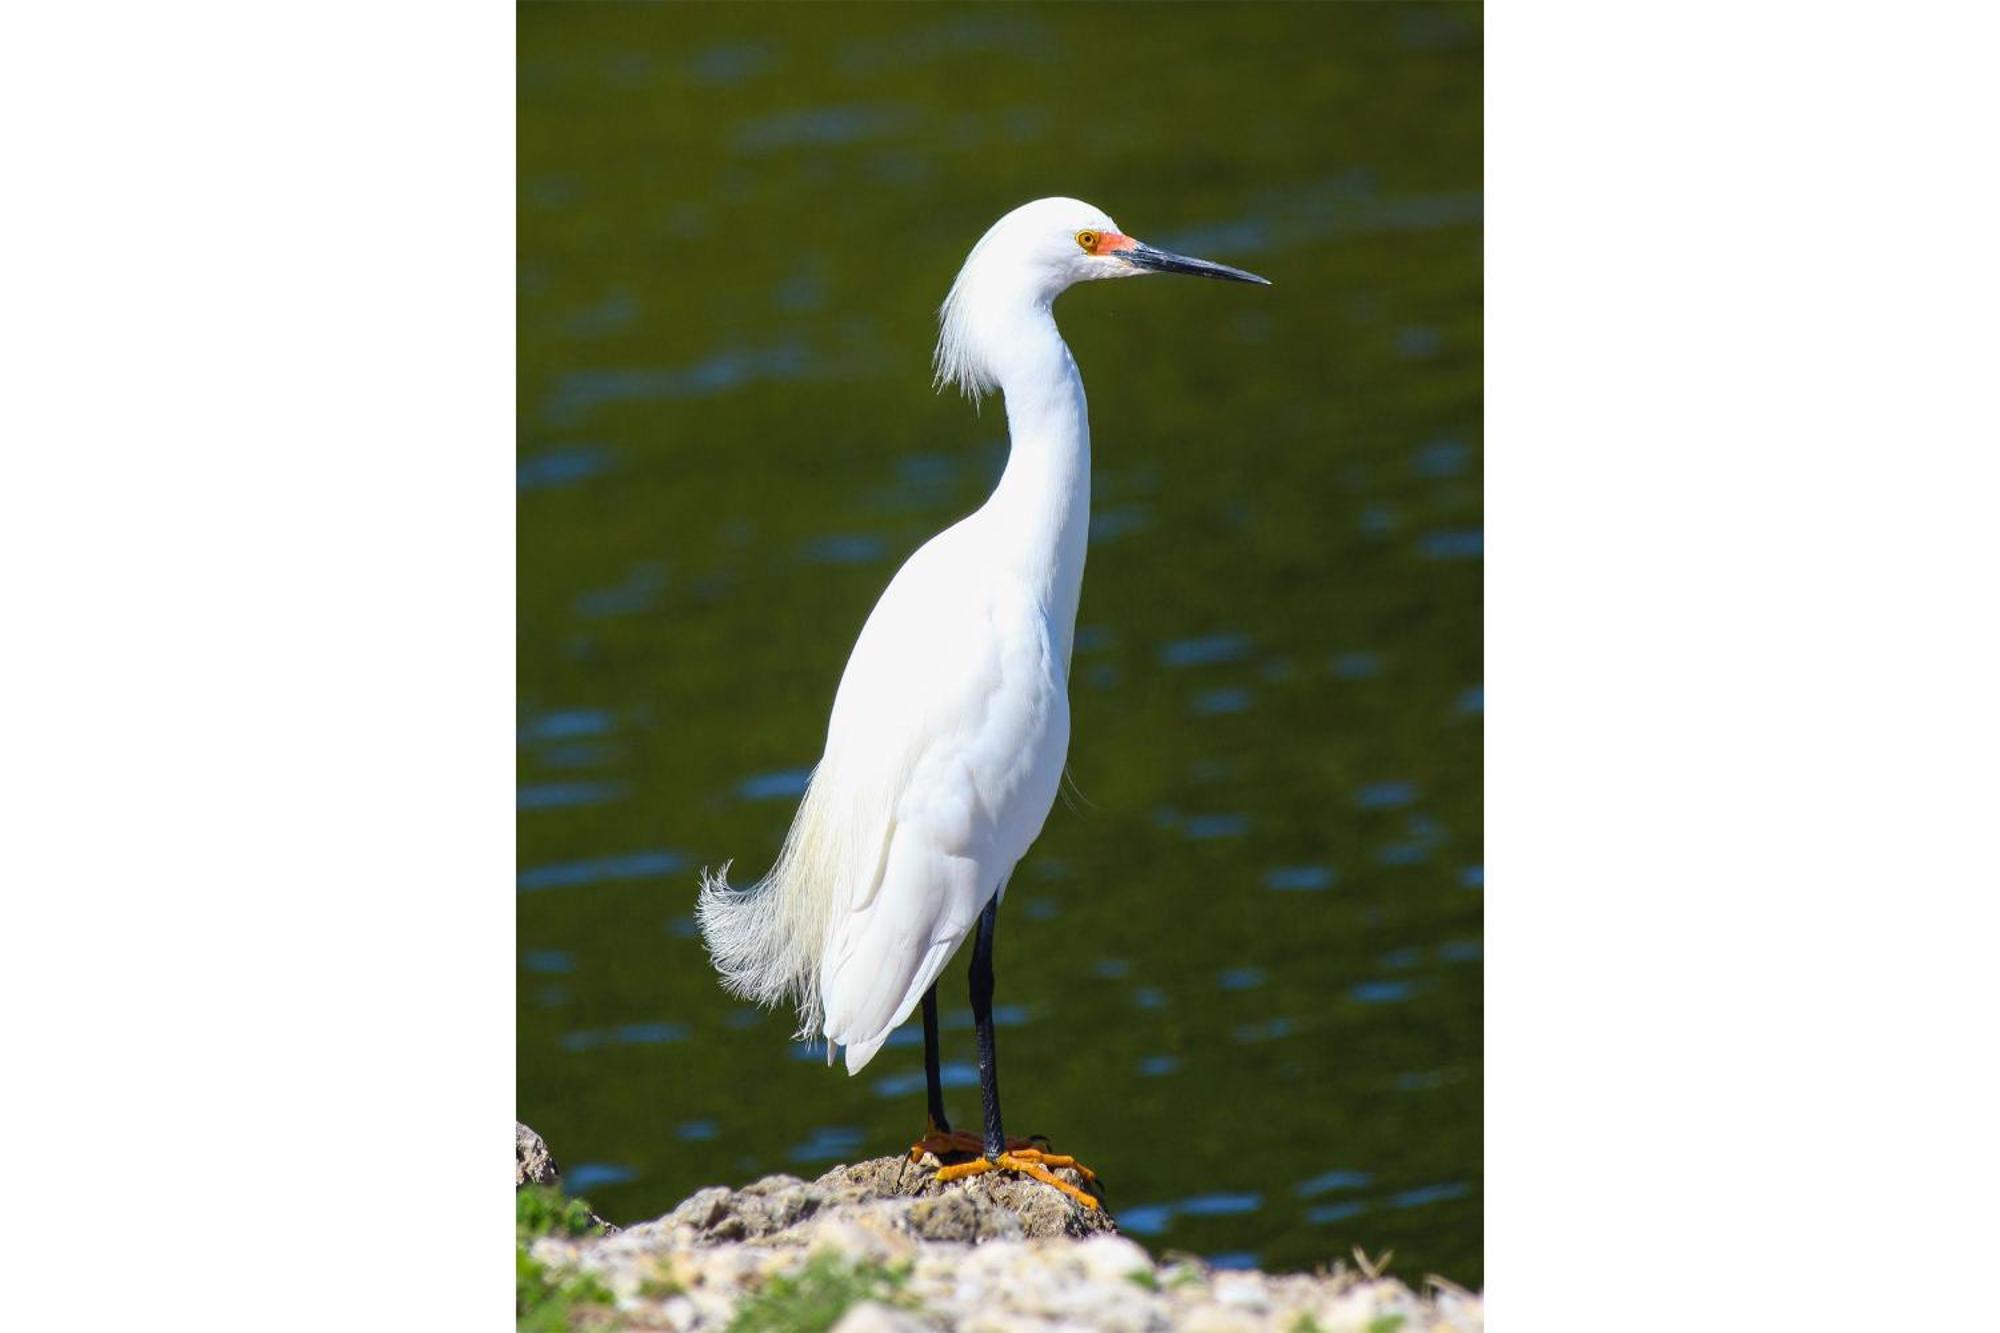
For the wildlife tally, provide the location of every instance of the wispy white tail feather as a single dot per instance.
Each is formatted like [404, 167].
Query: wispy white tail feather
[767, 940]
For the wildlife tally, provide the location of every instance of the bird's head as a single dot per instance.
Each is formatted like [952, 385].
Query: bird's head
[1026, 260]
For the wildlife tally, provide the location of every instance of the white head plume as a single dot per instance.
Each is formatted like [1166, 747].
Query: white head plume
[1022, 263]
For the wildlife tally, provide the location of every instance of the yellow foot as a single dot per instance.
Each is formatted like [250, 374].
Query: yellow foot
[1031, 1162]
[944, 1143]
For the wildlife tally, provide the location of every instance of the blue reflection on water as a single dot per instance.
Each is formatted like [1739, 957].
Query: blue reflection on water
[728, 63]
[1092, 638]
[649, 1034]
[591, 1175]
[827, 1143]
[1111, 524]
[1152, 1219]
[1146, 1219]
[1237, 237]
[847, 548]
[570, 874]
[1459, 544]
[1271, 1029]
[1206, 650]
[696, 1131]
[1357, 666]
[783, 784]
[822, 127]
[563, 795]
[911, 1034]
[1416, 1198]
[1473, 700]
[960, 1020]
[800, 292]
[1329, 1181]
[1158, 1066]
[577, 393]
[1423, 28]
[561, 467]
[1320, 1214]
[1424, 1080]
[929, 471]
[577, 756]
[629, 1034]
[1215, 826]
[1381, 992]
[638, 592]
[614, 313]
[1442, 458]
[1385, 795]
[1299, 879]
[1219, 1205]
[1418, 342]
[549, 961]
[1242, 978]
[1473, 877]
[1214, 703]
[1378, 520]
[970, 32]
[951, 1074]
[567, 724]
[1234, 1260]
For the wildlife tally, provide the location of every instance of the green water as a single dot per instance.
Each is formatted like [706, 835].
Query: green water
[1240, 972]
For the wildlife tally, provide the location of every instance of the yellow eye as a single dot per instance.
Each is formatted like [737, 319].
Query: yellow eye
[1088, 240]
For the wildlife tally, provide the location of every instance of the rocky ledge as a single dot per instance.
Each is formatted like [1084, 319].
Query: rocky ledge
[881, 1247]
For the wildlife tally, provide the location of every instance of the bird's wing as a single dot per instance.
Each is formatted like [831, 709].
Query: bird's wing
[948, 709]
[882, 959]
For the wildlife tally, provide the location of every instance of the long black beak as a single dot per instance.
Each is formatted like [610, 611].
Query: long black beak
[1145, 256]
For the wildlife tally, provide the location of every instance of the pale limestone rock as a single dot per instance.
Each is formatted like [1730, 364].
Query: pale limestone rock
[992, 1254]
[875, 1317]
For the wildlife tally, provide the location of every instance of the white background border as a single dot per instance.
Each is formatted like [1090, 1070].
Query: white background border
[256, 534]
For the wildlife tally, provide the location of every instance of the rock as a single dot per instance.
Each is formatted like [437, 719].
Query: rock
[534, 1164]
[993, 1253]
[1112, 1257]
[995, 1206]
[1242, 1290]
[875, 1317]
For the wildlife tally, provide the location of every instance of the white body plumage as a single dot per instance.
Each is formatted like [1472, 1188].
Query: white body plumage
[951, 725]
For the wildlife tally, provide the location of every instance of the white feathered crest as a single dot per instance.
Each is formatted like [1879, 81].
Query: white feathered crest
[956, 362]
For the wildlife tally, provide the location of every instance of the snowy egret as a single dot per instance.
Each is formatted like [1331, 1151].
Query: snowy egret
[951, 723]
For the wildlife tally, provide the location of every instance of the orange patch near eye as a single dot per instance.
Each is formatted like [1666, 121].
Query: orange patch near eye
[1112, 241]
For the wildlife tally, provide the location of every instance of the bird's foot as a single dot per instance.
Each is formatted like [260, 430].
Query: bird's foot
[945, 1144]
[1031, 1162]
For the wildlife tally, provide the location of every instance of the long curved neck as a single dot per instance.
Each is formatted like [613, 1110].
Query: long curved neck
[1040, 511]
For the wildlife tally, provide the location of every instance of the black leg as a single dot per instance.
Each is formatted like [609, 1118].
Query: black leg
[982, 1020]
[932, 1083]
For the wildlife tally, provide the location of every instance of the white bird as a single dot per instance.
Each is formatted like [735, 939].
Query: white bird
[951, 725]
